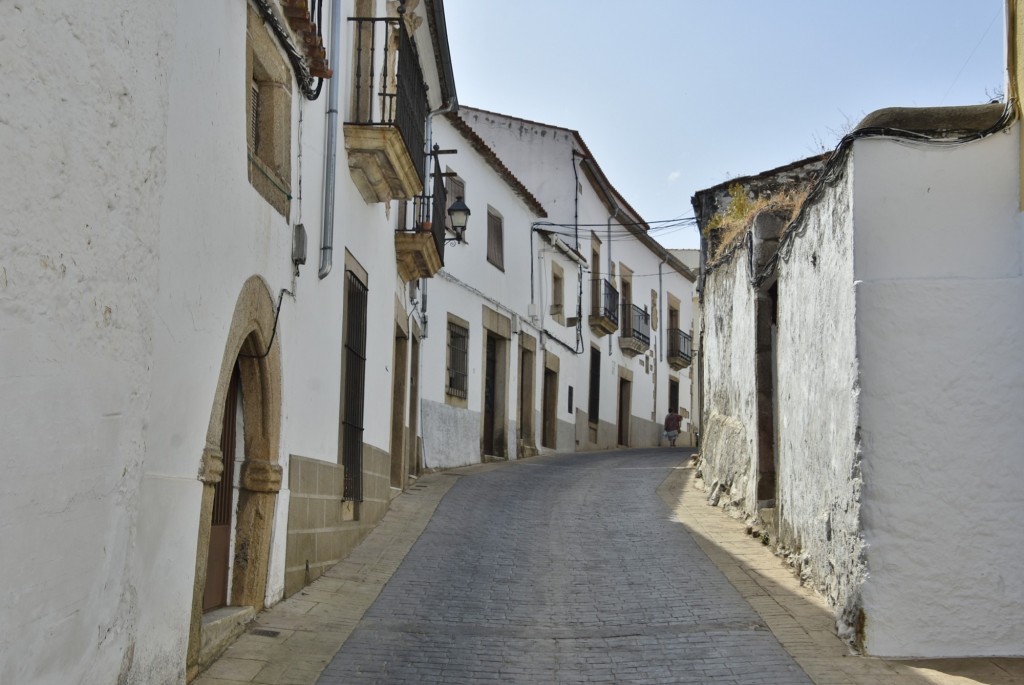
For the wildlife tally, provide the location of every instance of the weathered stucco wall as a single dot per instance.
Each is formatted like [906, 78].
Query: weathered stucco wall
[728, 457]
[938, 257]
[451, 435]
[83, 101]
[817, 457]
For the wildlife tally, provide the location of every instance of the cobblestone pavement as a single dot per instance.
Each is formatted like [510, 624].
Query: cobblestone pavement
[564, 569]
[414, 633]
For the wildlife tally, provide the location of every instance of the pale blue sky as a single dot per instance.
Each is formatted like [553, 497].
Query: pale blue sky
[673, 96]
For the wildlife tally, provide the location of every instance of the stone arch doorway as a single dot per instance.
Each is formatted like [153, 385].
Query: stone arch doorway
[259, 379]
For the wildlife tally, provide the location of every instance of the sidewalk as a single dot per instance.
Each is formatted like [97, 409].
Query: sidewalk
[292, 642]
[797, 616]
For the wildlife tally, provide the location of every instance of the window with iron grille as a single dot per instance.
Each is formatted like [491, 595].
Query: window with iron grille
[495, 240]
[458, 360]
[594, 404]
[353, 398]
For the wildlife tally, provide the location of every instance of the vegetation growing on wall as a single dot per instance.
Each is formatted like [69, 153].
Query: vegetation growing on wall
[728, 226]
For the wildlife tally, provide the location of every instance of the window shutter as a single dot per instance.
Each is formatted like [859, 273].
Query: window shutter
[495, 247]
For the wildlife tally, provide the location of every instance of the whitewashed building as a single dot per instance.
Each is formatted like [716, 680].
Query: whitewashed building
[196, 419]
[530, 348]
[863, 378]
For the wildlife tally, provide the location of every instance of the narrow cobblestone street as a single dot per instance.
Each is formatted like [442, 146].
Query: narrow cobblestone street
[586, 568]
[565, 570]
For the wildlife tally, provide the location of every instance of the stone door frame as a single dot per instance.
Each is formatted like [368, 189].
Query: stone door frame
[251, 331]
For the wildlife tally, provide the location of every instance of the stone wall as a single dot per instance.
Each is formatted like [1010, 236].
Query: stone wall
[818, 454]
[322, 529]
[727, 454]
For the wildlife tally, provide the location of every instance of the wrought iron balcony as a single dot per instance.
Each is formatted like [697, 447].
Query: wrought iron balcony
[680, 349]
[604, 313]
[385, 127]
[635, 337]
[419, 249]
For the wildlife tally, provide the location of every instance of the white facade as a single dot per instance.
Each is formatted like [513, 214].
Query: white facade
[560, 233]
[488, 300]
[942, 380]
[139, 261]
[894, 383]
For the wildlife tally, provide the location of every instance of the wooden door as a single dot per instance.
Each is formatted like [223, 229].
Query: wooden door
[216, 594]
[490, 393]
[624, 411]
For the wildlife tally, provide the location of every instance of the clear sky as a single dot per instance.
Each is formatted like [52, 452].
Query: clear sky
[673, 96]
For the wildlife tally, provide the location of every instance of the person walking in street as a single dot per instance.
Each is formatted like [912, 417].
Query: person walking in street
[672, 423]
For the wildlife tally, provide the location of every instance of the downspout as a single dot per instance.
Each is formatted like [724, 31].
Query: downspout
[661, 306]
[330, 172]
[532, 277]
[612, 216]
[428, 136]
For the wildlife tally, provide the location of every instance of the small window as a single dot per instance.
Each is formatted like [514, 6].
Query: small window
[458, 360]
[268, 116]
[495, 240]
[557, 294]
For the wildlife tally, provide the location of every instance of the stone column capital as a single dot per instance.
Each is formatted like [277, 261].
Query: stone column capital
[261, 476]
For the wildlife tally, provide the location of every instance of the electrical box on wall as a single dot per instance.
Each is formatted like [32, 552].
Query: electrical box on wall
[299, 245]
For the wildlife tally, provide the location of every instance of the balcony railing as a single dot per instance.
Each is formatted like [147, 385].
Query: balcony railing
[388, 95]
[636, 324]
[604, 311]
[680, 348]
[420, 247]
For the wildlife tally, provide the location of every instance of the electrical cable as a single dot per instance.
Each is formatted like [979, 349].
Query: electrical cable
[273, 333]
[302, 75]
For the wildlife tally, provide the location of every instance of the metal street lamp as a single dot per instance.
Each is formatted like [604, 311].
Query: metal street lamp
[459, 214]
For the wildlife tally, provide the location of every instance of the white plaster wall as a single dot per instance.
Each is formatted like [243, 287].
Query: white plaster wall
[938, 257]
[216, 232]
[818, 460]
[452, 435]
[728, 448]
[84, 98]
[130, 227]
[652, 282]
[541, 156]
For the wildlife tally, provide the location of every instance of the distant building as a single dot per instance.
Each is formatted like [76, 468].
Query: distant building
[559, 324]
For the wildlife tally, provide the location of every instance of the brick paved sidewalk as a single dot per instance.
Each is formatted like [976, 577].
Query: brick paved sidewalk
[292, 643]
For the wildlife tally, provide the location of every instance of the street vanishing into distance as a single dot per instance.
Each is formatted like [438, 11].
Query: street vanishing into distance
[561, 569]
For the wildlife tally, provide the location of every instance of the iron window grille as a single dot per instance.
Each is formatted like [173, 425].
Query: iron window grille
[458, 360]
[355, 386]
